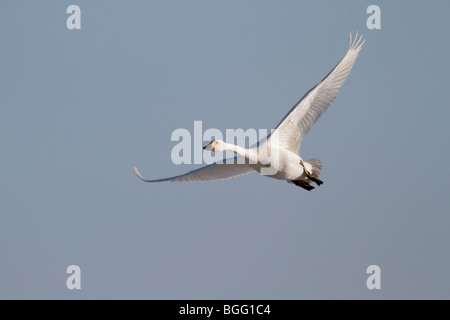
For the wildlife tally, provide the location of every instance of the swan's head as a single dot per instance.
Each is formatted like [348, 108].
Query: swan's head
[215, 146]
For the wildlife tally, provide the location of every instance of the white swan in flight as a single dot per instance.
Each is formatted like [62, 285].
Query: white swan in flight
[283, 145]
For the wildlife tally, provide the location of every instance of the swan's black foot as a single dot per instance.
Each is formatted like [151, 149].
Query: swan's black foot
[314, 179]
[303, 184]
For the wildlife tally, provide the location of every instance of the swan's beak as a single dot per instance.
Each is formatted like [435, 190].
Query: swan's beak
[210, 146]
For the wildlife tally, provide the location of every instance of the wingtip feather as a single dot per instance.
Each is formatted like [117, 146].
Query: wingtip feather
[136, 172]
[356, 42]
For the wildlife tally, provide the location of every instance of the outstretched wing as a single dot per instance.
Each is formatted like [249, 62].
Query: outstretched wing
[215, 171]
[308, 110]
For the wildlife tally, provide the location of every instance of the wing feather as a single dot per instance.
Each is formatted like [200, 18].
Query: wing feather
[216, 171]
[315, 102]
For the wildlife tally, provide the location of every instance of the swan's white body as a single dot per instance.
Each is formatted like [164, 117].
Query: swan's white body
[283, 145]
[286, 163]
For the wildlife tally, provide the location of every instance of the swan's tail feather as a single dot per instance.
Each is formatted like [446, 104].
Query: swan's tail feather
[316, 167]
[313, 168]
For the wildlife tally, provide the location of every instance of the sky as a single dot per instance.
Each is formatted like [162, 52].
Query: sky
[80, 108]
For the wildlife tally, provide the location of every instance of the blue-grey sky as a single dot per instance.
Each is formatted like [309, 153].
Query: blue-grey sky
[80, 108]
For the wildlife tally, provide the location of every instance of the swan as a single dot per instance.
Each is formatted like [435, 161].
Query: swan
[283, 144]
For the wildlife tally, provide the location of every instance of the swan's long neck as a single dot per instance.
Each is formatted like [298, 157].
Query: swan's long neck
[243, 152]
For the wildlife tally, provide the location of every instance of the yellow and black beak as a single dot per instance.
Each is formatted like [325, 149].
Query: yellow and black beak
[210, 146]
